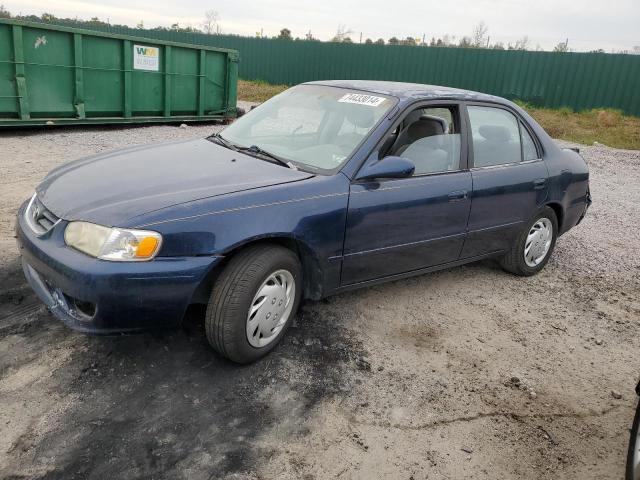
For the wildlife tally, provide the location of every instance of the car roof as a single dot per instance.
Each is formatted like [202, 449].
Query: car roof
[410, 91]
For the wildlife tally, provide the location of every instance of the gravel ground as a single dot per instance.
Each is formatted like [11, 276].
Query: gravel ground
[464, 373]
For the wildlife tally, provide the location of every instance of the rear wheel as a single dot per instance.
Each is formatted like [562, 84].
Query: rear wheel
[633, 455]
[533, 247]
[253, 302]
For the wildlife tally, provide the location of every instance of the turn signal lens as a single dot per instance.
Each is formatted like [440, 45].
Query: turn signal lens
[147, 247]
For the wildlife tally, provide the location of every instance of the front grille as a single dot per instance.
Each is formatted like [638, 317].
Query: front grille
[39, 217]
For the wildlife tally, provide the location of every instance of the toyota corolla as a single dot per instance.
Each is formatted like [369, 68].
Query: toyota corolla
[326, 187]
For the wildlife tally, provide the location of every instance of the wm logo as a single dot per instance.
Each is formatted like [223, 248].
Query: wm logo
[147, 52]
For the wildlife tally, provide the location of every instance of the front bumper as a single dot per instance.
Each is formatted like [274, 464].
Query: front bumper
[102, 297]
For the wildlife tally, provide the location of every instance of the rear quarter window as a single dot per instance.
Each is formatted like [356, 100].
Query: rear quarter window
[529, 149]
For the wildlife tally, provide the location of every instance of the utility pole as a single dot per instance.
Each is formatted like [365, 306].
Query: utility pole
[488, 38]
[423, 35]
[360, 37]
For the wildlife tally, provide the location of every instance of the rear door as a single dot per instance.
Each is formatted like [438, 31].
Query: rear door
[509, 179]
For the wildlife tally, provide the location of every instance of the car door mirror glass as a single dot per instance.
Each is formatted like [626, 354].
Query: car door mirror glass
[388, 167]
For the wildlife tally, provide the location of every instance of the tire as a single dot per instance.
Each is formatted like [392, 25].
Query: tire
[269, 269]
[514, 261]
[632, 472]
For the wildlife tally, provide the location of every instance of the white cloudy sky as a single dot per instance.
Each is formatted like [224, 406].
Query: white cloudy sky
[589, 24]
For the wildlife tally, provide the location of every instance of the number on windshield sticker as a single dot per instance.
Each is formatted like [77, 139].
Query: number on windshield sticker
[362, 99]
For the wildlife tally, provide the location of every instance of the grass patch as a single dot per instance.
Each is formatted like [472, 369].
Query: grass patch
[258, 90]
[606, 126]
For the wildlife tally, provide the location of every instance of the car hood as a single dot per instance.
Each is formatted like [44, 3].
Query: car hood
[113, 187]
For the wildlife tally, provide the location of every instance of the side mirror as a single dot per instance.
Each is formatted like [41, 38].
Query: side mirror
[388, 167]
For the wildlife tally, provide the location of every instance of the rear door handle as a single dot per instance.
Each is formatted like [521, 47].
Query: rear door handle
[457, 195]
[539, 183]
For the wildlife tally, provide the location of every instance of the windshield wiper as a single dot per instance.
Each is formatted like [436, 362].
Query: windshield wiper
[259, 151]
[220, 140]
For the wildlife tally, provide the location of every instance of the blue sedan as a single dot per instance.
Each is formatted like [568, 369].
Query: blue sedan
[326, 187]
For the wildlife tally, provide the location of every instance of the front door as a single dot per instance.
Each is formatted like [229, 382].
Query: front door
[396, 226]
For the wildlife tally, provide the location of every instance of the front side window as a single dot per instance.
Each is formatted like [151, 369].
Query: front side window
[430, 138]
[496, 136]
[315, 127]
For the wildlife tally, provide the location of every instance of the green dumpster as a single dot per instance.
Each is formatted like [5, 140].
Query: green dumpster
[59, 75]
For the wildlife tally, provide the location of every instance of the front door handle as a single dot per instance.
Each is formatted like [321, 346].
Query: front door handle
[457, 195]
[539, 183]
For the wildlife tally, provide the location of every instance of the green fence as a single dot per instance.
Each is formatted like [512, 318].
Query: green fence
[576, 80]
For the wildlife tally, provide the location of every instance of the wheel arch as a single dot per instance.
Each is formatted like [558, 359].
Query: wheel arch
[312, 273]
[559, 211]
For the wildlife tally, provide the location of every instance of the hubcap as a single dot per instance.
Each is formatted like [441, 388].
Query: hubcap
[538, 242]
[636, 456]
[270, 308]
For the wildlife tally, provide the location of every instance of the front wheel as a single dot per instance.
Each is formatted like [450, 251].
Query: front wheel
[253, 302]
[633, 454]
[533, 247]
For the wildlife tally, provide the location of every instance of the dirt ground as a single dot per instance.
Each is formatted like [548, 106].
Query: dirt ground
[465, 373]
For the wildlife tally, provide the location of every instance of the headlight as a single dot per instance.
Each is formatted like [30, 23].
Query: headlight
[116, 244]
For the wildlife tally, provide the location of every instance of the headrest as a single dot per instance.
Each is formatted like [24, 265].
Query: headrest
[413, 116]
[495, 133]
[361, 116]
[425, 127]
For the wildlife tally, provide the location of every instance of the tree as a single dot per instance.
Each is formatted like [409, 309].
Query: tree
[465, 42]
[285, 34]
[394, 41]
[211, 22]
[498, 46]
[368, 41]
[449, 40]
[48, 17]
[479, 37]
[562, 47]
[347, 40]
[380, 41]
[140, 25]
[409, 41]
[521, 44]
[4, 13]
[342, 34]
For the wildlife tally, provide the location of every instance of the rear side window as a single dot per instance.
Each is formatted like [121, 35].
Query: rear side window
[529, 150]
[496, 136]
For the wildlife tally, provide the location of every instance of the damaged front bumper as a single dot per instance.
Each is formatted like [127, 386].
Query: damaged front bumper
[102, 297]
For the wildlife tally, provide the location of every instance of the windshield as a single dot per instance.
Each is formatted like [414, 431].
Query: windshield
[313, 126]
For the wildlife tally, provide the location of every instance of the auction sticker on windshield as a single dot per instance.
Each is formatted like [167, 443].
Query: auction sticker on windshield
[362, 99]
